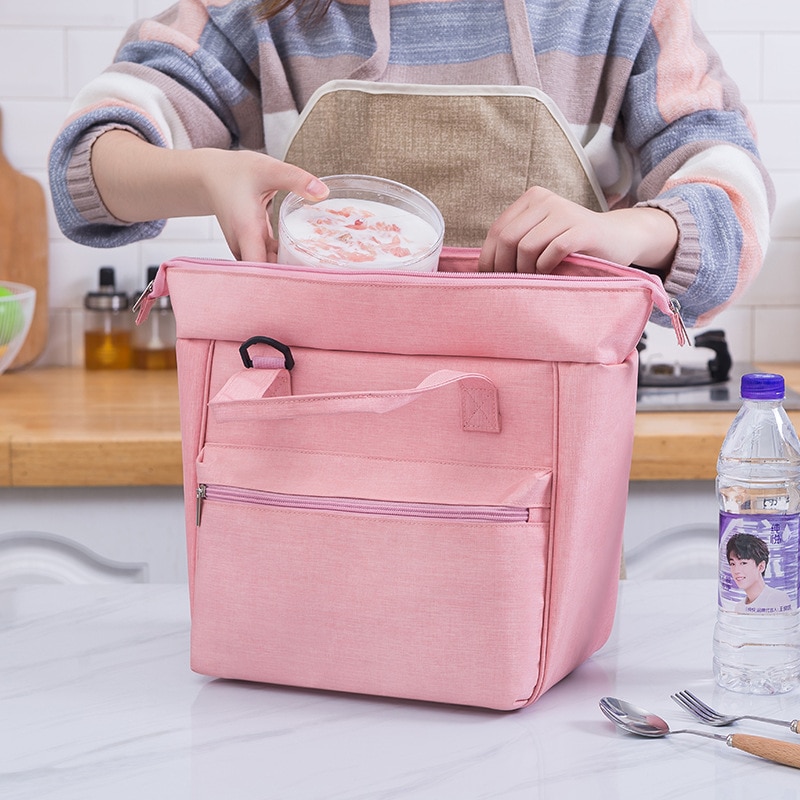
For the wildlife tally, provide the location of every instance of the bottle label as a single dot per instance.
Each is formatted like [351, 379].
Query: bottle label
[758, 569]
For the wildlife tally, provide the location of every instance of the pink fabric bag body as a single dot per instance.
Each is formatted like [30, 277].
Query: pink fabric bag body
[409, 485]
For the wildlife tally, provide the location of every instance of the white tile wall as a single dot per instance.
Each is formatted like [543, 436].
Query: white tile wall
[50, 48]
[89, 52]
[742, 54]
[74, 13]
[781, 67]
[746, 15]
[31, 61]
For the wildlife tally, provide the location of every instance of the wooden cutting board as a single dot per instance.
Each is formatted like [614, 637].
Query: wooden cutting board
[24, 247]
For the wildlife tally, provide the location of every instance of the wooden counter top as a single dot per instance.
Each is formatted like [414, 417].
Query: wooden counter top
[70, 427]
[684, 445]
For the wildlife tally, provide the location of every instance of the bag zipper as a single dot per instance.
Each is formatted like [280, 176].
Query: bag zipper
[615, 272]
[351, 505]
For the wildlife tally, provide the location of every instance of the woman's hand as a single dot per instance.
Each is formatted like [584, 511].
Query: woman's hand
[241, 185]
[537, 231]
[138, 182]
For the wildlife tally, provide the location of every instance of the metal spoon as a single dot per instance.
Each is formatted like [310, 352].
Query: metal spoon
[643, 723]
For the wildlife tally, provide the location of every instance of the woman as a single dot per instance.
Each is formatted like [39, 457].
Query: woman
[193, 119]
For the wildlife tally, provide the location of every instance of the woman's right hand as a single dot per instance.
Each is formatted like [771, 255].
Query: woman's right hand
[241, 185]
[139, 182]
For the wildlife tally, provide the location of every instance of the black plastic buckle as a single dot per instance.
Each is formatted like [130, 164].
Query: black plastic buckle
[280, 346]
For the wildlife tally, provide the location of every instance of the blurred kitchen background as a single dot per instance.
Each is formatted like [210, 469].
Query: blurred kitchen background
[50, 48]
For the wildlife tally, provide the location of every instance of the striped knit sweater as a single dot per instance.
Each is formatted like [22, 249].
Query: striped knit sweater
[638, 83]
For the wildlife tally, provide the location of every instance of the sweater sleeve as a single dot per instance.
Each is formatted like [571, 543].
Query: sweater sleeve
[177, 81]
[699, 162]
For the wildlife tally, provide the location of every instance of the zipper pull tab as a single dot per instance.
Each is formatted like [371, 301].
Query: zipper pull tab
[144, 303]
[148, 290]
[678, 325]
[200, 495]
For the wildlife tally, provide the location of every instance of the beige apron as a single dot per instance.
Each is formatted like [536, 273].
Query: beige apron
[473, 150]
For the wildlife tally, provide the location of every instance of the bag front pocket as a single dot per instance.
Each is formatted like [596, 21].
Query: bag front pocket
[418, 599]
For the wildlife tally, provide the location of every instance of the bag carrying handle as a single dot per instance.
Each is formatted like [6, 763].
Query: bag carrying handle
[262, 395]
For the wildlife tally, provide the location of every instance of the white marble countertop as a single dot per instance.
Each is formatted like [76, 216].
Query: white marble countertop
[97, 701]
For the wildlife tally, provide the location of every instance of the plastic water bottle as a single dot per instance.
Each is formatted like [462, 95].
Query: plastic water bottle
[757, 635]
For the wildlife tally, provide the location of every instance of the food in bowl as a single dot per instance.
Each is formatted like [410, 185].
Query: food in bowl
[364, 223]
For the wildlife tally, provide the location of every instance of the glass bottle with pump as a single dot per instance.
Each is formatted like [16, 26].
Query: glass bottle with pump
[154, 339]
[107, 329]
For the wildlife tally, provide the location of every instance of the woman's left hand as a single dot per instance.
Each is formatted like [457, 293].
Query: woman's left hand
[537, 231]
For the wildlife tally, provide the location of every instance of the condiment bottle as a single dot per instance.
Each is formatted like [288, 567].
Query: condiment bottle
[154, 339]
[107, 327]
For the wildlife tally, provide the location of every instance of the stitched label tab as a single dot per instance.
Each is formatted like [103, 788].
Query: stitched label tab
[479, 411]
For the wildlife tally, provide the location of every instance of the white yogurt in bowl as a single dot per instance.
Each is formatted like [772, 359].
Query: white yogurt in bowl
[365, 223]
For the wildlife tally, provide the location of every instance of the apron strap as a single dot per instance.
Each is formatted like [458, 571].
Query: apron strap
[379, 22]
[522, 51]
[519, 31]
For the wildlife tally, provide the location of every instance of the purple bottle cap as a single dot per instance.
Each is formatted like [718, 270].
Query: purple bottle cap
[763, 386]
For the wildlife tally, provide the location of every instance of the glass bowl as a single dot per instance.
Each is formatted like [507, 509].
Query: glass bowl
[17, 302]
[365, 223]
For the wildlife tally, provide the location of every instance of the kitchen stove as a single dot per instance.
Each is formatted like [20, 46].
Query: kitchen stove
[714, 386]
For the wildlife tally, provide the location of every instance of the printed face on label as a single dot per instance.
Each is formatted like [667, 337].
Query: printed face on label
[746, 572]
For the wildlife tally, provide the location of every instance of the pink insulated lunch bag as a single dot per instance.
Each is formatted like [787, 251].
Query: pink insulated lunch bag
[405, 484]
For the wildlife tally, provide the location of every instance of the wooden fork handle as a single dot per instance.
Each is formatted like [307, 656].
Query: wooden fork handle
[771, 749]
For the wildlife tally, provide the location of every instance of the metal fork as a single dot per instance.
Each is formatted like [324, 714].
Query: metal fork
[694, 705]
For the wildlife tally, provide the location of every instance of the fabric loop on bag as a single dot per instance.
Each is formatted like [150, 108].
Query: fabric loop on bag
[251, 383]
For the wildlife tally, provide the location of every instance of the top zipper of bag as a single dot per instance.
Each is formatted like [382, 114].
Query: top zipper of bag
[606, 271]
